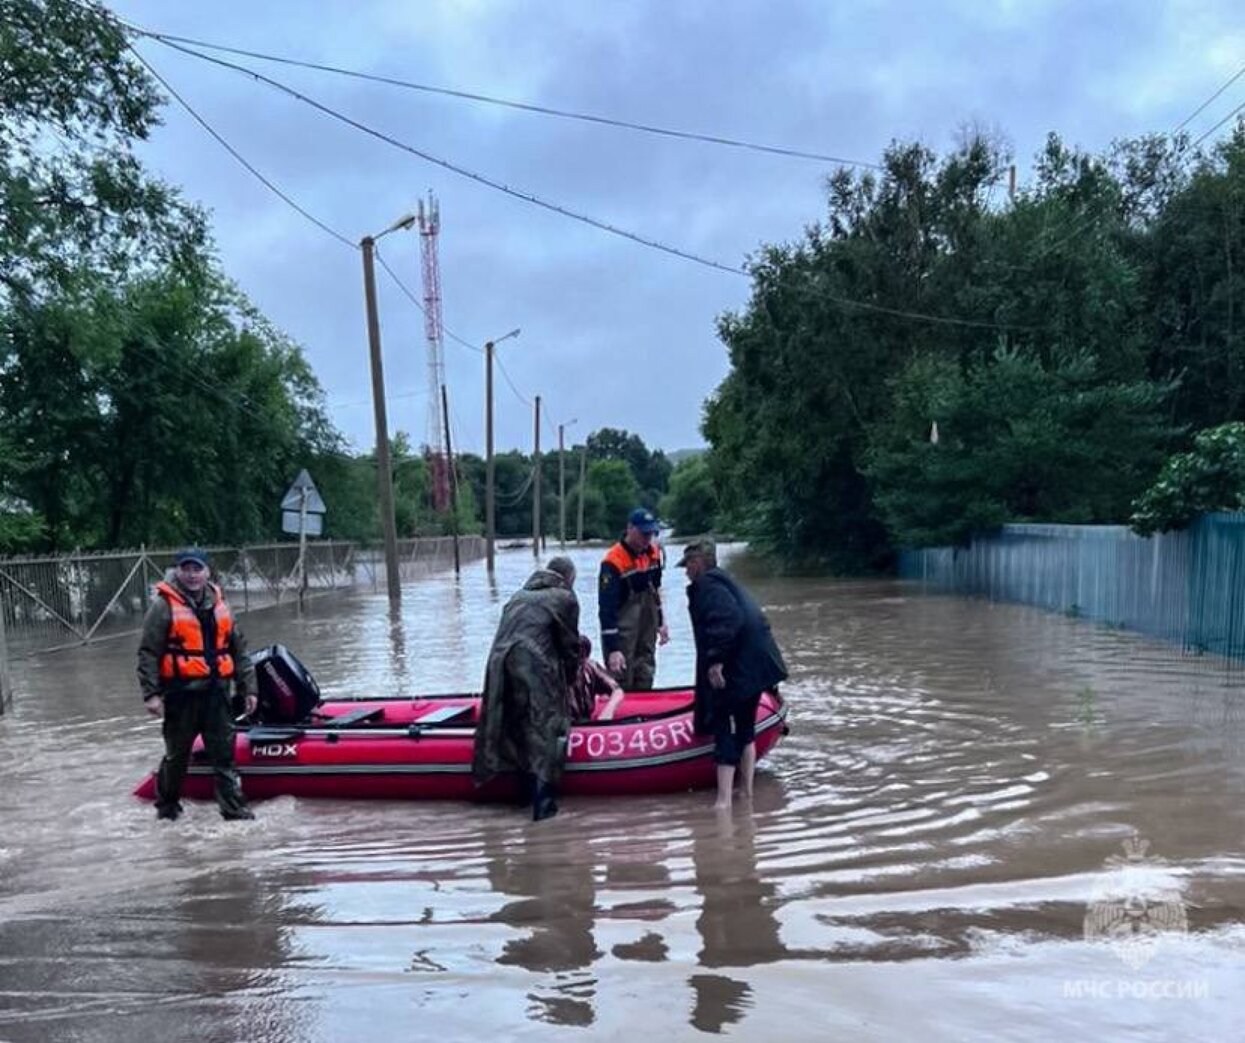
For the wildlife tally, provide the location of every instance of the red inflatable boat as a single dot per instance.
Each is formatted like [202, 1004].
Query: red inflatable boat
[421, 750]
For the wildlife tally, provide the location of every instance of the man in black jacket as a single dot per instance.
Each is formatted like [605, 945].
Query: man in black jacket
[736, 660]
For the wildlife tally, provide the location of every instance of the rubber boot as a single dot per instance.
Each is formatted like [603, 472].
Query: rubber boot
[544, 802]
[239, 813]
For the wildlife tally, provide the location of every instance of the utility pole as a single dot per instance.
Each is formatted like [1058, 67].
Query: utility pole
[562, 479]
[384, 472]
[453, 476]
[561, 487]
[536, 486]
[583, 468]
[490, 518]
[490, 506]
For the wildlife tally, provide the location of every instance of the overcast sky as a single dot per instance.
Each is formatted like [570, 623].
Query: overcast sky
[613, 333]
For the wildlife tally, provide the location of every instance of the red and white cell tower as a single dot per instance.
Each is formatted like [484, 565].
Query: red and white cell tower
[438, 464]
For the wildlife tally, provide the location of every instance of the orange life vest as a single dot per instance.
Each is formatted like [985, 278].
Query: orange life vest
[639, 570]
[185, 655]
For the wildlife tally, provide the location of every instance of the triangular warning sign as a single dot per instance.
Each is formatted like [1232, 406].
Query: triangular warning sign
[303, 486]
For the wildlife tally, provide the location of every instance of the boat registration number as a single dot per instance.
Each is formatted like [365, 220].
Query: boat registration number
[644, 741]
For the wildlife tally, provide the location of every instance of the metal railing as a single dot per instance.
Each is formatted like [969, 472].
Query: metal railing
[53, 602]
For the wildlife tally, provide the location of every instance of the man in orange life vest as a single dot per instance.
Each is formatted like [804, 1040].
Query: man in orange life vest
[190, 653]
[629, 597]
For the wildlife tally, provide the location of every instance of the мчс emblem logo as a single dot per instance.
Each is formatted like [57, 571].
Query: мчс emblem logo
[1135, 906]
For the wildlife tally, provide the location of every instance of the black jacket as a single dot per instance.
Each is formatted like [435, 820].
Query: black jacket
[730, 629]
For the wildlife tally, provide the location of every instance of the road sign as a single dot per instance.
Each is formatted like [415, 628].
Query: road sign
[303, 487]
[313, 524]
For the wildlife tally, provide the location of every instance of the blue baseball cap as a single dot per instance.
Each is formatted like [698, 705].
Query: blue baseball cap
[191, 554]
[642, 518]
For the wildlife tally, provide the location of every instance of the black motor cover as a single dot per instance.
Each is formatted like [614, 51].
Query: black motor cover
[287, 691]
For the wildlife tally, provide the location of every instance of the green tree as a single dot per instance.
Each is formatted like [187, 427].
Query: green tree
[691, 505]
[348, 486]
[811, 444]
[74, 197]
[157, 412]
[611, 495]
[1209, 477]
[1192, 263]
[650, 469]
[1016, 442]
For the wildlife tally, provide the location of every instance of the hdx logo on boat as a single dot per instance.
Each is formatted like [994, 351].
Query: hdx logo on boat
[275, 749]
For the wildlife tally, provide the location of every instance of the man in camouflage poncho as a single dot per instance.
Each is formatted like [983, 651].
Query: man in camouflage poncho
[524, 715]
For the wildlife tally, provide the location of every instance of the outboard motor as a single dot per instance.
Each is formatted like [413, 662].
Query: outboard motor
[287, 691]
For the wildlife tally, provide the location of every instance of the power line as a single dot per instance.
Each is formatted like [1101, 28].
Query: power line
[461, 171]
[544, 110]
[460, 341]
[410, 296]
[565, 211]
[1231, 80]
[1219, 124]
[517, 393]
[238, 156]
[285, 197]
[1078, 226]
[292, 203]
[512, 499]
[417, 393]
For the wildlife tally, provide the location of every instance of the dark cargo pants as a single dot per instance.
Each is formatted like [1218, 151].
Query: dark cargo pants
[186, 715]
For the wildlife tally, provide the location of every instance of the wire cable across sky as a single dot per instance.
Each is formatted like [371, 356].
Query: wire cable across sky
[557, 208]
[487, 99]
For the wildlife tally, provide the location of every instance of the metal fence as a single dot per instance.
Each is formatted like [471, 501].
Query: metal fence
[1187, 587]
[48, 603]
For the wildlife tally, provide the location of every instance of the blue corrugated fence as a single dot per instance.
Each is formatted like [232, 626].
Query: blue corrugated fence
[1187, 587]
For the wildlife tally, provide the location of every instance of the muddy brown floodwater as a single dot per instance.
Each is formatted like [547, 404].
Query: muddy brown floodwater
[925, 851]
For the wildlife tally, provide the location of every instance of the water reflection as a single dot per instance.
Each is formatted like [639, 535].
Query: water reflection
[549, 878]
[737, 925]
[637, 863]
[397, 649]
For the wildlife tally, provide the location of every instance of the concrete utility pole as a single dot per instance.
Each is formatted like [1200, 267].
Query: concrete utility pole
[449, 460]
[583, 468]
[490, 505]
[561, 486]
[384, 471]
[562, 480]
[536, 486]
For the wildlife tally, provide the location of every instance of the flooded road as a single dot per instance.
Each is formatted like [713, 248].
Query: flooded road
[924, 854]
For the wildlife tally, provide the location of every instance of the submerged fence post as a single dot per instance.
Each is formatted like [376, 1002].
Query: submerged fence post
[6, 687]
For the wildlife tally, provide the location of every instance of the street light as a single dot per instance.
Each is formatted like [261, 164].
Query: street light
[490, 528]
[562, 481]
[384, 473]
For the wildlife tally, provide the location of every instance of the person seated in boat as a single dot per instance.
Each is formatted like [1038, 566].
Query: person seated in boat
[592, 681]
[524, 708]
